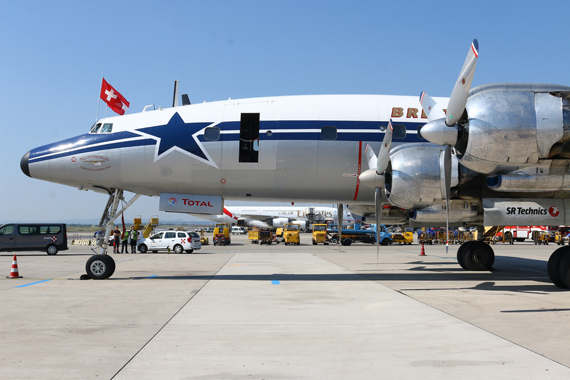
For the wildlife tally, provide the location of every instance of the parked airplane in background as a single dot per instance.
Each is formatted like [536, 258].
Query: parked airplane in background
[276, 216]
[502, 159]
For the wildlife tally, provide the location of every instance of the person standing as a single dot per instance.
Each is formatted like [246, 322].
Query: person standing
[116, 239]
[125, 242]
[133, 235]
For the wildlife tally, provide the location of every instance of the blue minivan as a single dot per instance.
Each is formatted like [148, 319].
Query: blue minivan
[49, 237]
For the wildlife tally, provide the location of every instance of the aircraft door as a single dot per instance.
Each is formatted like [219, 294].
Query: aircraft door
[7, 235]
[250, 143]
[169, 240]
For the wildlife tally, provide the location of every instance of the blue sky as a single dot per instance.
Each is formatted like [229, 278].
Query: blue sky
[52, 55]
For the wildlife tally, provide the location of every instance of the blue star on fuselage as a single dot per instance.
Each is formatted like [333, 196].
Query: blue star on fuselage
[178, 135]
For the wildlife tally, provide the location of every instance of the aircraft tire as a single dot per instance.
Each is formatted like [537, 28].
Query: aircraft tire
[51, 249]
[461, 255]
[478, 256]
[100, 267]
[564, 270]
[143, 248]
[555, 267]
[178, 248]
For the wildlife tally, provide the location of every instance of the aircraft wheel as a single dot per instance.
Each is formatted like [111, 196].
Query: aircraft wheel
[143, 248]
[478, 256]
[555, 268]
[52, 249]
[461, 255]
[100, 267]
[178, 248]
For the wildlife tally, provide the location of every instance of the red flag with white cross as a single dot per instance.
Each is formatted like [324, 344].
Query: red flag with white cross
[113, 98]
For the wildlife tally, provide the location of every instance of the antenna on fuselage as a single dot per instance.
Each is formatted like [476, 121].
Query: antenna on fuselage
[185, 98]
[175, 98]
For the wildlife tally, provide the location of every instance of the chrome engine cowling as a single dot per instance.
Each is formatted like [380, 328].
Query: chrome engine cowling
[511, 126]
[414, 179]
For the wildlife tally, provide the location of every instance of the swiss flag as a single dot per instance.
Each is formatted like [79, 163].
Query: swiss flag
[113, 99]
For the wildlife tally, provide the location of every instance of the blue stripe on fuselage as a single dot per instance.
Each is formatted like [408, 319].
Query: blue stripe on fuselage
[281, 130]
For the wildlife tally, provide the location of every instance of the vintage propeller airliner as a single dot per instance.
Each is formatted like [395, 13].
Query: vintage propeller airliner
[499, 155]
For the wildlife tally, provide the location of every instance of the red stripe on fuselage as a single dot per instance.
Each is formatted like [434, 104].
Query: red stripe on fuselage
[359, 169]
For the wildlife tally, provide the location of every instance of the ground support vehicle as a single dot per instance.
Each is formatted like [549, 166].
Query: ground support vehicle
[540, 237]
[238, 230]
[278, 237]
[176, 241]
[320, 234]
[291, 234]
[405, 237]
[222, 229]
[425, 237]
[48, 237]
[257, 236]
[362, 236]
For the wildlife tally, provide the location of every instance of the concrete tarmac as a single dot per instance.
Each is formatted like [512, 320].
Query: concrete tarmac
[285, 312]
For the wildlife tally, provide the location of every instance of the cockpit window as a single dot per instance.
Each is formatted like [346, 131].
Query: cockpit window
[107, 128]
[95, 128]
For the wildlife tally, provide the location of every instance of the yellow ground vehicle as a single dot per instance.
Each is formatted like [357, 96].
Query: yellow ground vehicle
[540, 237]
[403, 237]
[291, 234]
[256, 236]
[203, 239]
[278, 238]
[320, 234]
[222, 234]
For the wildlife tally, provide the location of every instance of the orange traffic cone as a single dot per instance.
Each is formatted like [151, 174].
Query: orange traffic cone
[423, 252]
[14, 272]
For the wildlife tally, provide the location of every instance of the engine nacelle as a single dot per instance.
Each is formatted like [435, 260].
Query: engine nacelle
[279, 222]
[415, 177]
[253, 223]
[436, 214]
[512, 125]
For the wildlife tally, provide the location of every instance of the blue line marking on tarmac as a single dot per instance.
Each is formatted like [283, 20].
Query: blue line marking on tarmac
[153, 276]
[32, 283]
[275, 282]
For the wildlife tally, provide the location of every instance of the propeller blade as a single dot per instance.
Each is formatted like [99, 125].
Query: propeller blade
[371, 157]
[431, 108]
[384, 154]
[378, 212]
[447, 180]
[460, 92]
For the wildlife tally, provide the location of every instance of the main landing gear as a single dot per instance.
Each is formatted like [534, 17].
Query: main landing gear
[479, 256]
[101, 266]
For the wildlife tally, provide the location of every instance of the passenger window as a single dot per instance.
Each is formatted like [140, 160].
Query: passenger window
[399, 131]
[328, 133]
[107, 128]
[181, 235]
[170, 235]
[27, 230]
[95, 128]
[156, 236]
[7, 230]
[212, 134]
[50, 230]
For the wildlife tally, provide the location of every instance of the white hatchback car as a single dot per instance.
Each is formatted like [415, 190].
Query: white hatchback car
[177, 241]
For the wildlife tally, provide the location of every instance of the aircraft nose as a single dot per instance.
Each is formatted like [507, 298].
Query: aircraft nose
[24, 164]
